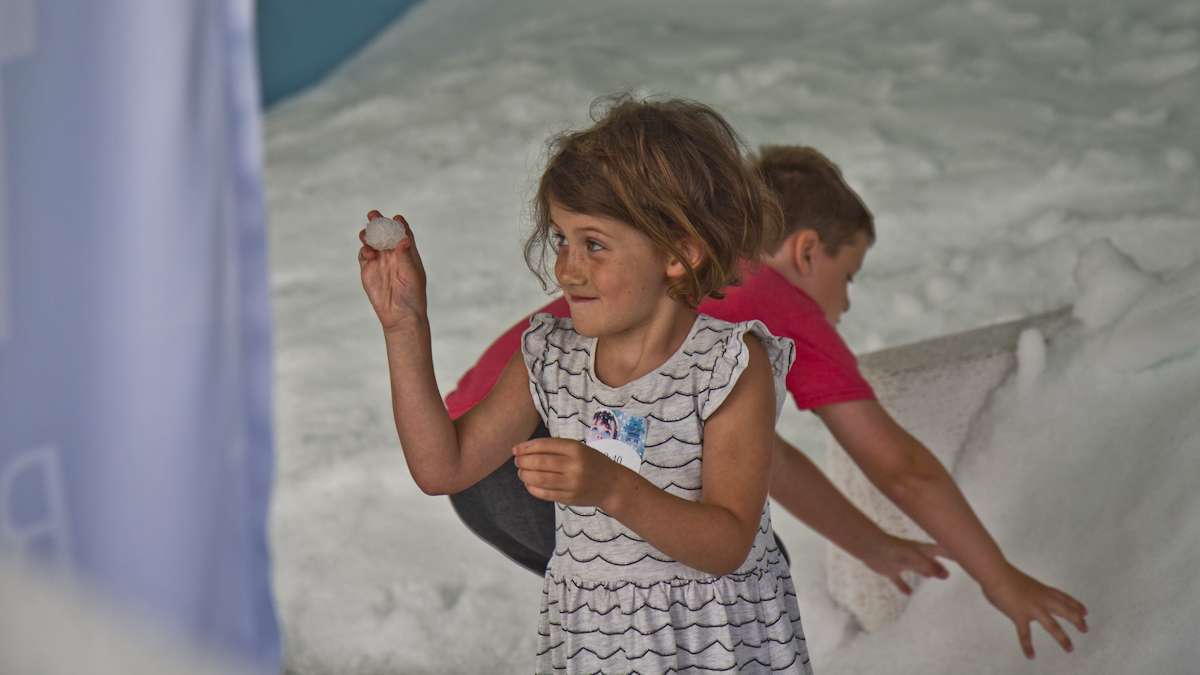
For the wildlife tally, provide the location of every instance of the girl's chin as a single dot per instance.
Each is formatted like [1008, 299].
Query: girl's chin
[584, 329]
[584, 325]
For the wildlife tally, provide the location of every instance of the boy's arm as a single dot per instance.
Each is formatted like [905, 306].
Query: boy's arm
[803, 490]
[908, 473]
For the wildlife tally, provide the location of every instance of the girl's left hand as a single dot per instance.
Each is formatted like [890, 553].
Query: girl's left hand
[1025, 599]
[566, 471]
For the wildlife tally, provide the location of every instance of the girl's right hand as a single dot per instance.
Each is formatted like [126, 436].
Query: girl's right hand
[394, 280]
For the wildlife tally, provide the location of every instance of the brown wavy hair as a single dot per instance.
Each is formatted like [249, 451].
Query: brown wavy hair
[675, 170]
[814, 195]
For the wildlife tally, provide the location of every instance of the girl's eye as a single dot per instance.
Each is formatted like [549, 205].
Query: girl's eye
[594, 245]
[557, 239]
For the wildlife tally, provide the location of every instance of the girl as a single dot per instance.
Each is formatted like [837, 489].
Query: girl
[664, 556]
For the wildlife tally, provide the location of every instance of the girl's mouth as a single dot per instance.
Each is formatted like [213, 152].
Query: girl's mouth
[578, 298]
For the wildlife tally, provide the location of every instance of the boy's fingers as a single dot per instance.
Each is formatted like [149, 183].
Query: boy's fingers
[1055, 630]
[899, 583]
[938, 550]
[1068, 610]
[1072, 602]
[373, 214]
[1024, 638]
[936, 569]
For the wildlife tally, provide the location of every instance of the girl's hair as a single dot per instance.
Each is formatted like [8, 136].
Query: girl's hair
[813, 195]
[673, 169]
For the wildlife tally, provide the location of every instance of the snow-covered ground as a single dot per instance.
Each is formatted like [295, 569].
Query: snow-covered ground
[995, 142]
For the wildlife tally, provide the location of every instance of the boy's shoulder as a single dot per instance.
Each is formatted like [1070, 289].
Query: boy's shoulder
[767, 296]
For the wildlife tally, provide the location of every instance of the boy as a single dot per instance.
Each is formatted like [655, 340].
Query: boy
[800, 292]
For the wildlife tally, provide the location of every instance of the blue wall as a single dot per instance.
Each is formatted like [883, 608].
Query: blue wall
[301, 41]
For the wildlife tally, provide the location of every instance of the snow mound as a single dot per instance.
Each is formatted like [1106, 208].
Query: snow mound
[1110, 282]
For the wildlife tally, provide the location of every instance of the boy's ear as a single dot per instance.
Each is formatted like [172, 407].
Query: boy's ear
[804, 244]
[691, 251]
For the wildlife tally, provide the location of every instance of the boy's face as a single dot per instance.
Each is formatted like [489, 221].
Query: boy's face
[828, 278]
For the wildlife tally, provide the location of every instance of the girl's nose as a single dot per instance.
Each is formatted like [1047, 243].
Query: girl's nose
[567, 270]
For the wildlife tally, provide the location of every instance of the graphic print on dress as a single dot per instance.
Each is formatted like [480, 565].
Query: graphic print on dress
[620, 436]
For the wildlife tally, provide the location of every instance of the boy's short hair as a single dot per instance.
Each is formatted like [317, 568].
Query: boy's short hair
[675, 170]
[813, 195]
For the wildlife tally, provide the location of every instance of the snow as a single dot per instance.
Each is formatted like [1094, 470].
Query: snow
[383, 233]
[996, 142]
[1031, 358]
[1110, 282]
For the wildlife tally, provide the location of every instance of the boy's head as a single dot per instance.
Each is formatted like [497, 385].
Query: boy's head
[829, 228]
[673, 170]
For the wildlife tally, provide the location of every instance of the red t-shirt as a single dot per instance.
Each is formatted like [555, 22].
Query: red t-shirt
[825, 370]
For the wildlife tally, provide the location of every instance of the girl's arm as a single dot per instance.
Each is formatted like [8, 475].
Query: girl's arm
[714, 534]
[801, 488]
[908, 473]
[443, 457]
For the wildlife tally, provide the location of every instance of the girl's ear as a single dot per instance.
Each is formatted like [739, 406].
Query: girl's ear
[804, 245]
[691, 251]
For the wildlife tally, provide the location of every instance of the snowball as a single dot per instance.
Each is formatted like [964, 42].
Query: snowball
[384, 233]
[1109, 283]
[1031, 358]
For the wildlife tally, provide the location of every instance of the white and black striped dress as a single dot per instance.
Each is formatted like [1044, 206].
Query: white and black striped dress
[613, 603]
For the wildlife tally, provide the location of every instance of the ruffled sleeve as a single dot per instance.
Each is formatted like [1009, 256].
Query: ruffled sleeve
[731, 358]
[534, 346]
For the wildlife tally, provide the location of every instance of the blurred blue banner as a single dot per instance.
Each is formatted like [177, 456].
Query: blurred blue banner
[299, 43]
[135, 327]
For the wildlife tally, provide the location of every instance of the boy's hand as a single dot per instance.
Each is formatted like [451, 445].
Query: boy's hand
[893, 555]
[394, 280]
[1025, 599]
[566, 471]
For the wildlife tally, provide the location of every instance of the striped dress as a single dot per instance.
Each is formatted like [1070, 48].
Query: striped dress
[613, 603]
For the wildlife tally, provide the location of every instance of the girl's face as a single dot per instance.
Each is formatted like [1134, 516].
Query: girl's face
[613, 276]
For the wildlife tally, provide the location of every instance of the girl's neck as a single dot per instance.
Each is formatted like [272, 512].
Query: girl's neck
[624, 357]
